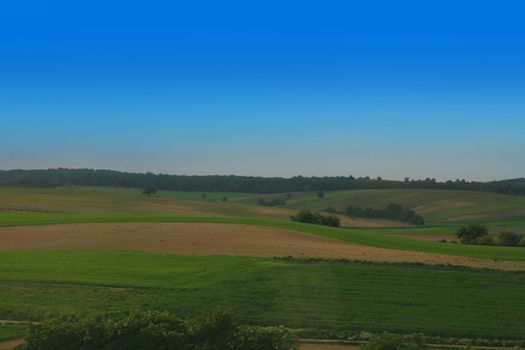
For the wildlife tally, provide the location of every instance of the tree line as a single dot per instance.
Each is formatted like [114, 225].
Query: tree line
[306, 216]
[392, 211]
[479, 235]
[231, 183]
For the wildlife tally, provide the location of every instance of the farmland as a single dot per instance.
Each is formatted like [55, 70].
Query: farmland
[97, 250]
[303, 295]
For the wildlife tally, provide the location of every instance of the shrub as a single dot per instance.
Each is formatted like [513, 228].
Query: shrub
[485, 240]
[521, 243]
[509, 239]
[149, 189]
[394, 342]
[469, 234]
[264, 338]
[308, 217]
[157, 330]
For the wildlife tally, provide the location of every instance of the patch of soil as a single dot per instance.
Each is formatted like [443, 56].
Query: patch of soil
[10, 344]
[214, 239]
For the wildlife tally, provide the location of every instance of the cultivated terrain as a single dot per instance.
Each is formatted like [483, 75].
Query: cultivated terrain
[101, 250]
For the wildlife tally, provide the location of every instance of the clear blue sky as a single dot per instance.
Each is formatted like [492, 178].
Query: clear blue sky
[378, 88]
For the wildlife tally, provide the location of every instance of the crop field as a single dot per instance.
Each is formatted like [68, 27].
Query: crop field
[10, 331]
[97, 250]
[319, 294]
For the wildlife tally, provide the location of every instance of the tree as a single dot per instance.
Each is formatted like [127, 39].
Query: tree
[469, 234]
[308, 217]
[149, 189]
[320, 194]
[224, 199]
[204, 196]
[509, 239]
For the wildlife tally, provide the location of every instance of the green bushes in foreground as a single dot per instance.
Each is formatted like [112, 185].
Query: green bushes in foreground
[308, 217]
[395, 342]
[157, 330]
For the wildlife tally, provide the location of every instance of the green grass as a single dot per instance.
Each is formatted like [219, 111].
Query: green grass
[434, 205]
[10, 331]
[375, 297]
[356, 236]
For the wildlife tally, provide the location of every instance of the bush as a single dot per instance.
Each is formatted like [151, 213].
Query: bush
[509, 239]
[149, 189]
[478, 234]
[308, 217]
[265, 338]
[469, 234]
[157, 330]
[394, 342]
[485, 240]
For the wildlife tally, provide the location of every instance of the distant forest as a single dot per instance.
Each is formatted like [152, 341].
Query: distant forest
[231, 183]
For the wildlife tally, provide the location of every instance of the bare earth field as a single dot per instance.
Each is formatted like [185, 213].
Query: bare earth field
[214, 239]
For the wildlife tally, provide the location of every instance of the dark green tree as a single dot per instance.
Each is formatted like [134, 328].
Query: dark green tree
[469, 234]
[149, 189]
[509, 239]
[320, 194]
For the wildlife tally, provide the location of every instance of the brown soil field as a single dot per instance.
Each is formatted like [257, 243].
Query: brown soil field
[214, 239]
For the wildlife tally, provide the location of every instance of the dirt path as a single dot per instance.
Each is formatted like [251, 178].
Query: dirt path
[10, 344]
[214, 239]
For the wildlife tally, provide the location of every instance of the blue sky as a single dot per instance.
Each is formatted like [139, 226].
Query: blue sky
[273, 88]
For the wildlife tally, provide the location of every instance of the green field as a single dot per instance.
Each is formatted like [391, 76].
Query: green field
[356, 236]
[323, 296]
[377, 297]
[10, 331]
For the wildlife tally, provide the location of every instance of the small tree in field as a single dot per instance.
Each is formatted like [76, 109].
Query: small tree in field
[149, 189]
[469, 234]
[320, 194]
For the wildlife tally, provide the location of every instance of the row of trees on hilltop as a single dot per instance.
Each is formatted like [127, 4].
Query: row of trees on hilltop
[253, 184]
[392, 211]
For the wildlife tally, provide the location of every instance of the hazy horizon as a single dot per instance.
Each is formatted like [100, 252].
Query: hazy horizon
[382, 89]
[258, 175]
